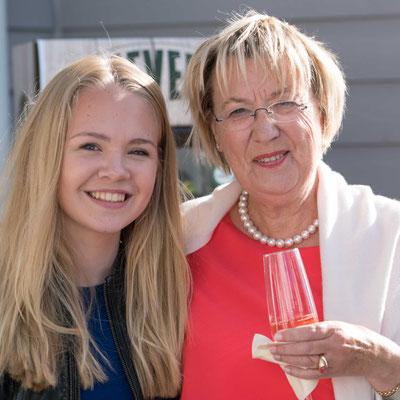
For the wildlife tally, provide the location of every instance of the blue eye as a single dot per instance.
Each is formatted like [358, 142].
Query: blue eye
[90, 147]
[239, 113]
[139, 152]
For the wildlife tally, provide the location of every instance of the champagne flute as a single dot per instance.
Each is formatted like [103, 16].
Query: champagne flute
[289, 297]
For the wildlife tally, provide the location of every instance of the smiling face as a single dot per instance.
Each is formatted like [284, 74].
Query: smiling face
[268, 158]
[110, 161]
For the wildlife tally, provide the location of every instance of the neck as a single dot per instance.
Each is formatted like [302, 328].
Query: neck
[282, 217]
[93, 256]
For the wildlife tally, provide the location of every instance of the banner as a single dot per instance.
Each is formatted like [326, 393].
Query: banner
[166, 59]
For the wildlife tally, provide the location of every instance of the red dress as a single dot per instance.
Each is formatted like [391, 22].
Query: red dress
[228, 307]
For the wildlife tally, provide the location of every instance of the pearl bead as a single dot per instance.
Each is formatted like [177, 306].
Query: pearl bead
[280, 243]
[289, 242]
[257, 235]
[297, 239]
[305, 235]
[264, 239]
[245, 217]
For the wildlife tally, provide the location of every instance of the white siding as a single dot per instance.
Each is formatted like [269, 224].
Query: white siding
[365, 34]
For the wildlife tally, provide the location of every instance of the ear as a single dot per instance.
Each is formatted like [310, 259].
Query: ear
[214, 130]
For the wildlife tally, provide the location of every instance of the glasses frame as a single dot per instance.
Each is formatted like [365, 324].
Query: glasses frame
[300, 107]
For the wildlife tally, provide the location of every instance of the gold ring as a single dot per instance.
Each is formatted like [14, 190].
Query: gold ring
[322, 364]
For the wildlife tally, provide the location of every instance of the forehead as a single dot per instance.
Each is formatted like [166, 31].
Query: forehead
[97, 98]
[256, 77]
[114, 111]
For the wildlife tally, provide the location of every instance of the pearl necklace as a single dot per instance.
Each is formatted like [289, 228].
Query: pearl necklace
[264, 239]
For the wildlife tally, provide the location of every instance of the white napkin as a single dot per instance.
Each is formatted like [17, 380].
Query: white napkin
[260, 349]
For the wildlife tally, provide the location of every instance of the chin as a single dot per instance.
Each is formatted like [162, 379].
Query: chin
[280, 189]
[109, 229]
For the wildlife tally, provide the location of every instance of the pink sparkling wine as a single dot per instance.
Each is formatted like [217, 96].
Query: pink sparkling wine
[305, 320]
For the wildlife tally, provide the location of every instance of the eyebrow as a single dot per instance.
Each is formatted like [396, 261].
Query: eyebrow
[234, 100]
[102, 136]
[242, 100]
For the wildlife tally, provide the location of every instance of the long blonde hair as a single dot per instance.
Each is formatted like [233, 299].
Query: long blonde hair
[41, 314]
[288, 56]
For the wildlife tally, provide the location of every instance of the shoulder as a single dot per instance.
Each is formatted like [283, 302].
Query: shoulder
[219, 199]
[354, 218]
[336, 195]
[202, 215]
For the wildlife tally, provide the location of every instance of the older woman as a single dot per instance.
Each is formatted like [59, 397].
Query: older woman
[267, 101]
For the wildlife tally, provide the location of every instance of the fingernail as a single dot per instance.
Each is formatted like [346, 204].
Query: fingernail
[272, 349]
[278, 336]
[287, 369]
[277, 357]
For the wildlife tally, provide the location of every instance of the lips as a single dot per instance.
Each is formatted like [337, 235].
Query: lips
[110, 197]
[267, 158]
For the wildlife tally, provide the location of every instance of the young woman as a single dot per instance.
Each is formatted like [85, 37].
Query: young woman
[93, 289]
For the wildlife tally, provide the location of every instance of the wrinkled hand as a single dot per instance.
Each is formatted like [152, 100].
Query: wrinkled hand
[350, 350]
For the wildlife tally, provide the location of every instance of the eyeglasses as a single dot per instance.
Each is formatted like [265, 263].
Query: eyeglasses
[282, 112]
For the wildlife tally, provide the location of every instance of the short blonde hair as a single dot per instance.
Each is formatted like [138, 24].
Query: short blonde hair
[289, 57]
[39, 299]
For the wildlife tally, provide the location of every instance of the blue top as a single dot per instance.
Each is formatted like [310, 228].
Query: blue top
[117, 386]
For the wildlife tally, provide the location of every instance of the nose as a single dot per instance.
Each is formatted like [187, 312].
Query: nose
[114, 167]
[264, 127]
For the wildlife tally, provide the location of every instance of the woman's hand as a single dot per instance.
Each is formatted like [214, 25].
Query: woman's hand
[350, 350]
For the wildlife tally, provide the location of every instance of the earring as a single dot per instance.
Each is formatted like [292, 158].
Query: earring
[218, 147]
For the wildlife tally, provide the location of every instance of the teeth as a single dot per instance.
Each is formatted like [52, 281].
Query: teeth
[107, 196]
[272, 158]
